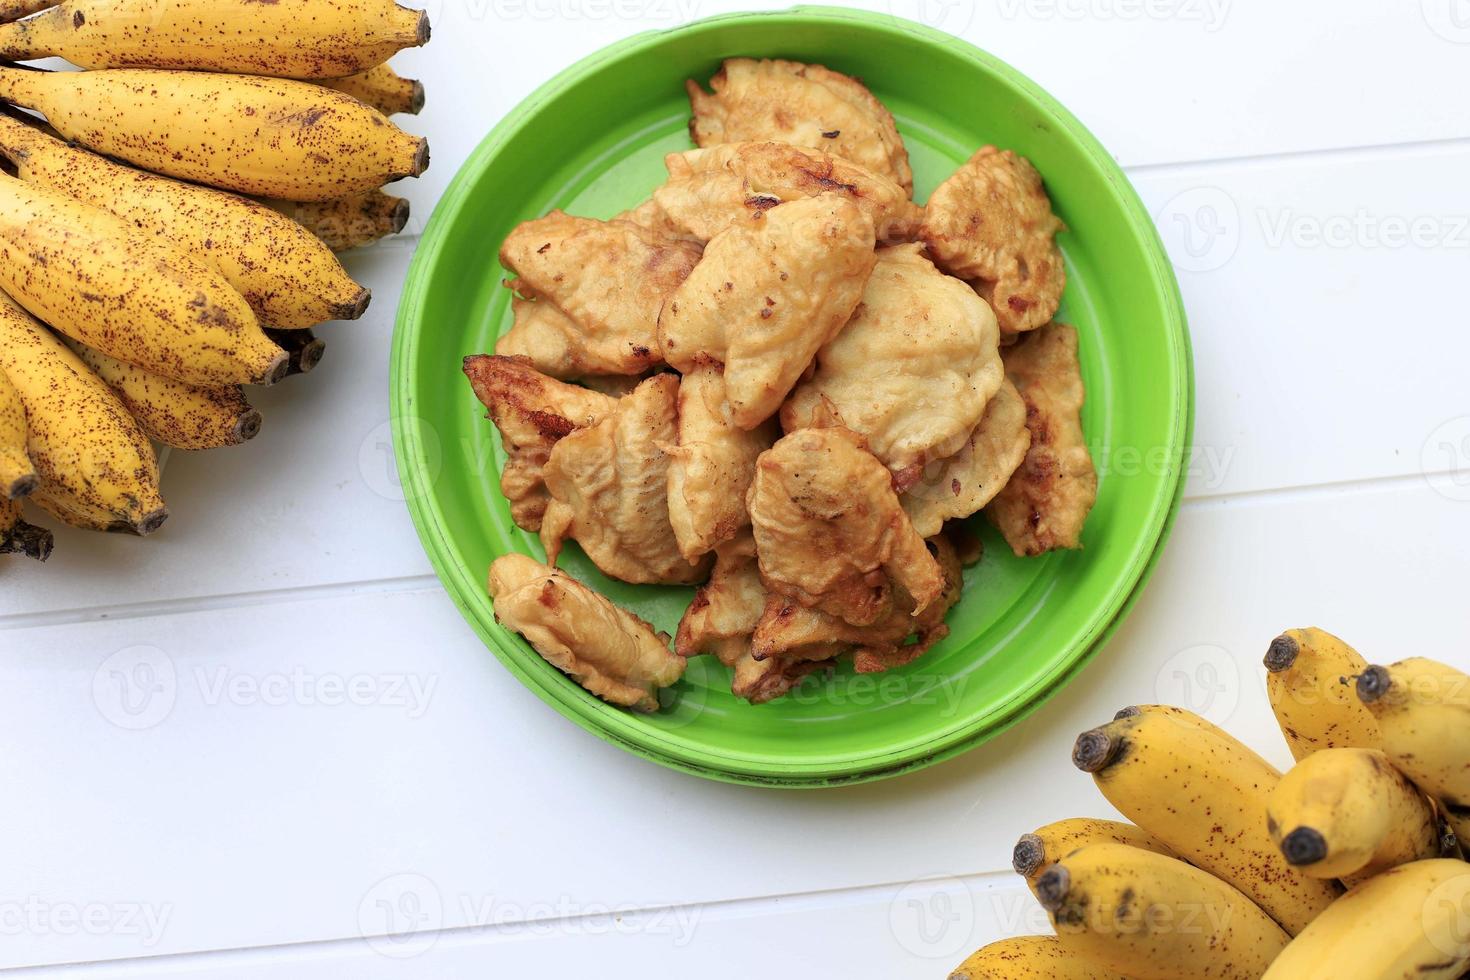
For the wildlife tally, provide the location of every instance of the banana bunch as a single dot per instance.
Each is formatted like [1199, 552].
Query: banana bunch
[170, 223]
[1346, 866]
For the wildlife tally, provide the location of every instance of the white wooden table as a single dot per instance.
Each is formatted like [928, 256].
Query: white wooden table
[260, 742]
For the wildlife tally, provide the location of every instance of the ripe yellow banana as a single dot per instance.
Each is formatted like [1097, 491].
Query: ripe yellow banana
[383, 89]
[1153, 917]
[17, 474]
[94, 277]
[1423, 712]
[1309, 680]
[271, 137]
[289, 278]
[96, 467]
[1342, 812]
[1035, 852]
[1030, 958]
[19, 538]
[1407, 922]
[175, 413]
[1204, 795]
[281, 38]
[349, 222]
[16, 9]
[304, 347]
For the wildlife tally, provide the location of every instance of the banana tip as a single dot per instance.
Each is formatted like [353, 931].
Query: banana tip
[1052, 887]
[416, 99]
[1028, 854]
[22, 486]
[424, 28]
[1302, 846]
[420, 159]
[151, 523]
[1282, 653]
[400, 215]
[1094, 750]
[1373, 684]
[310, 356]
[279, 367]
[354, 308]
[1132, 711]
[247, 426]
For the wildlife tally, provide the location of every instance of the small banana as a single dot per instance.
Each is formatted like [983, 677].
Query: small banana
[175, 413]
[282, 38]
[349, 222]
[1153, 917]
[289, 278]
[1423, 712]
[270, 137]
[304, 347]
[96, 467]
[1204, 795]
[19, 538]
[1349, 812]
[1030, 958]
[92, 276]
[1407, 922]
[1309, 681]
[16, 9]
[1035, 852]
[17, 474]
[383, 89]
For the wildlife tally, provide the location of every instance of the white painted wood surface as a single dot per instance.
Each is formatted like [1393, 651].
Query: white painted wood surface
[329, 755]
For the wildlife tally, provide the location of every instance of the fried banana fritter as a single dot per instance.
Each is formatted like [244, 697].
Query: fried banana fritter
[711, 467]
[532, 413]
[771, 290]
[964, 483]
[1044, 505]
[789, 630]
[590, 293]
[722, 618]
[912, 371]
[608, 485]
[710, 189]
[830, 531]
[805, 105]
[991, 223]
[607, 650]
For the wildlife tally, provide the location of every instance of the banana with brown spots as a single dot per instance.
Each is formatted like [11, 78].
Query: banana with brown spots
[289, 278]
[94, 277]
[95, 465]
[349, 222]
[1309, 679]
[16, 9]
[1030, 958]
[271, 137]
[281, 38]
[175, 413]
[383, 89]
[17, 474]
[1204, 795]
[1153, 917]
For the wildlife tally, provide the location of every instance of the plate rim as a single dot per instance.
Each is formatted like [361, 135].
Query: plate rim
[461, 582]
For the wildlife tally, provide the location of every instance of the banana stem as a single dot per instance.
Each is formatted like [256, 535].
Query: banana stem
[1282, 653]
[1094, 750]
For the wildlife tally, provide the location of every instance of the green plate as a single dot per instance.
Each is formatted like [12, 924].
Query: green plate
[592, 141]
